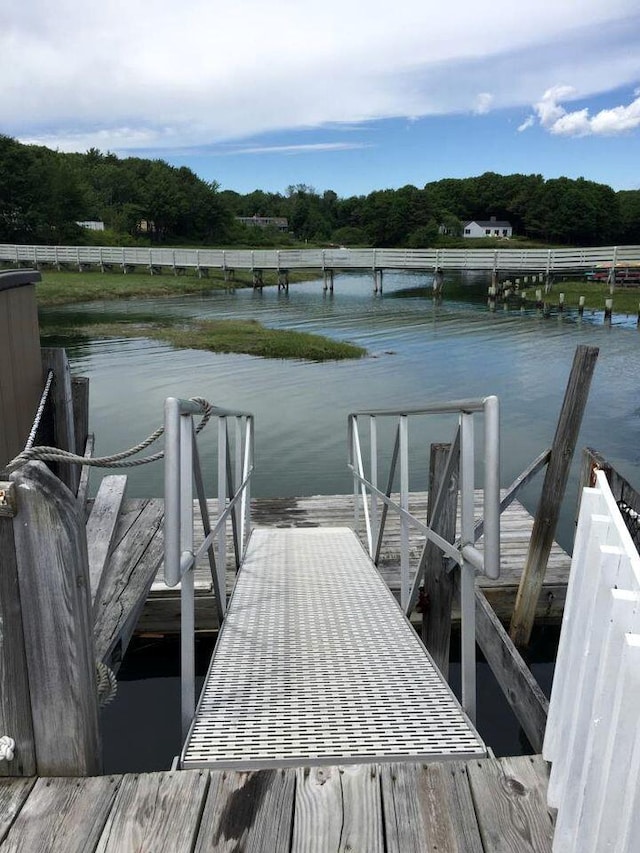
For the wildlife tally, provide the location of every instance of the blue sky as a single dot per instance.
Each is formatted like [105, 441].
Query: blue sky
[351, 95]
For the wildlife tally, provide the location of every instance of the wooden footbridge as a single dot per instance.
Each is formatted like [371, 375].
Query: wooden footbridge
[178, 261]
[324, 723]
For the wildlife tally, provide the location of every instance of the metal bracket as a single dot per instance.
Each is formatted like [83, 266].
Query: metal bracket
[8, 507]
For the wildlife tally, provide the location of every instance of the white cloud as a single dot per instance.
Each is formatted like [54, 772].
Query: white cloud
[304, 148]
[527, 123]
[121, 74]
[558, 121]
[483, 103]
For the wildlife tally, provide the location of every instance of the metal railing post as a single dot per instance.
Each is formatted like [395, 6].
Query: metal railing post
[187, 601]
[491, 507]
[222, 502]
[404, 504]
[373, 428]
[172, 491]
[467, 571]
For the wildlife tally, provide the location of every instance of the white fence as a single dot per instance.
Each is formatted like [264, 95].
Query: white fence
[593, 729]
[516, 260]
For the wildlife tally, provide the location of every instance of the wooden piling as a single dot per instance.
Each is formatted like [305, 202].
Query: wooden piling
[561, 302]
[553, 490]
[54, 602]
[539, 303]
[63, 413]
[581, 306]
[283, 280]
[608, 310]
[15, 704]
[439, 583]
[20, 365]
[258, 281]
[438, 282]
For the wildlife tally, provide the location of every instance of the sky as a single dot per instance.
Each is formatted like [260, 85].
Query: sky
[348, 95]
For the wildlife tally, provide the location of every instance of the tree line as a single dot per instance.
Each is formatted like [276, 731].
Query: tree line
[44, 194]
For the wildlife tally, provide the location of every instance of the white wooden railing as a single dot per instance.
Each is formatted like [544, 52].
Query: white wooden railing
[538, 260]
[593, 729]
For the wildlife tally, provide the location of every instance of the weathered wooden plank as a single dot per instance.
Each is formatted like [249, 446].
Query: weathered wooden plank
[20, 366]
[510, 802]
[85, 473]
[246, 811]
[101, 527]
[429, 807]
[520, 688]
[127, 579]
[51, 558]
[13, 794]
[338, 808]
[15, 703]
[80, 400]
[62, 397]
[553, 489]
[156, 813]
[438, 582]
[63, 816]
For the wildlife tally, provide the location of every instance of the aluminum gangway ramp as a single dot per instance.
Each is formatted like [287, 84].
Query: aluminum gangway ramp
[316, 664]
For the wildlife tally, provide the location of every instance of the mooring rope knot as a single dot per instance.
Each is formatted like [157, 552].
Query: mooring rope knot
[7, 746]
[116, 460]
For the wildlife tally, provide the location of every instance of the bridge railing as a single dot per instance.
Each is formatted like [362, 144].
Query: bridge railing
[376, 503]
[183, 472]
[508, 260]
[593, 728]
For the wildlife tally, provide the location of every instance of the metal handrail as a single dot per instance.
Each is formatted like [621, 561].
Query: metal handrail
[463, 552]
[182, 472]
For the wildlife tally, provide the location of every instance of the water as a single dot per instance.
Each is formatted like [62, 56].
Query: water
[419, 352]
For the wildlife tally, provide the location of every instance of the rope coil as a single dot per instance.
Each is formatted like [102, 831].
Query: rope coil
[116, 460]
[107, 684]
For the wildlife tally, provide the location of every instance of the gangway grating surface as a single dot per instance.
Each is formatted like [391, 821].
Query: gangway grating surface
[316, 664]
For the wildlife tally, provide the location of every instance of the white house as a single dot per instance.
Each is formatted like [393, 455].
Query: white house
[91, 225]
[281, 223]
[487, 228]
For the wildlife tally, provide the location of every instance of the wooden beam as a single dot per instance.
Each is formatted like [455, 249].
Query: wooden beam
[13, 795]
[53, 575]
[439, 583]
[63, 416]
[428, 807]
[520, 688]
[156, 811]
[251, 810]
[553, 489]
[127, 579]
[510, 802]
[63, 814]
[15, 704]
[101, 527]
[85, 471]
[80, 398]
[337, 808]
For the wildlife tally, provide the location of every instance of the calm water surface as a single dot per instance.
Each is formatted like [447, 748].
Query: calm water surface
[418, 352]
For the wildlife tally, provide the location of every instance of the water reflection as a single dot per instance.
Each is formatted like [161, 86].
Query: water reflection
[419, 351]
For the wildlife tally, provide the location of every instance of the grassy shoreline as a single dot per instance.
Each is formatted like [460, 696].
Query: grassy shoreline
[67, 288]
[625, 299]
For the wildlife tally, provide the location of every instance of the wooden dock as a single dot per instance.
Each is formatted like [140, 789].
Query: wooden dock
[161, 613]
[480, 806]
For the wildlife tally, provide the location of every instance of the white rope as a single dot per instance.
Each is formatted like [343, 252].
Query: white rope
[54, 454]
[107, 684]
[7, 745]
